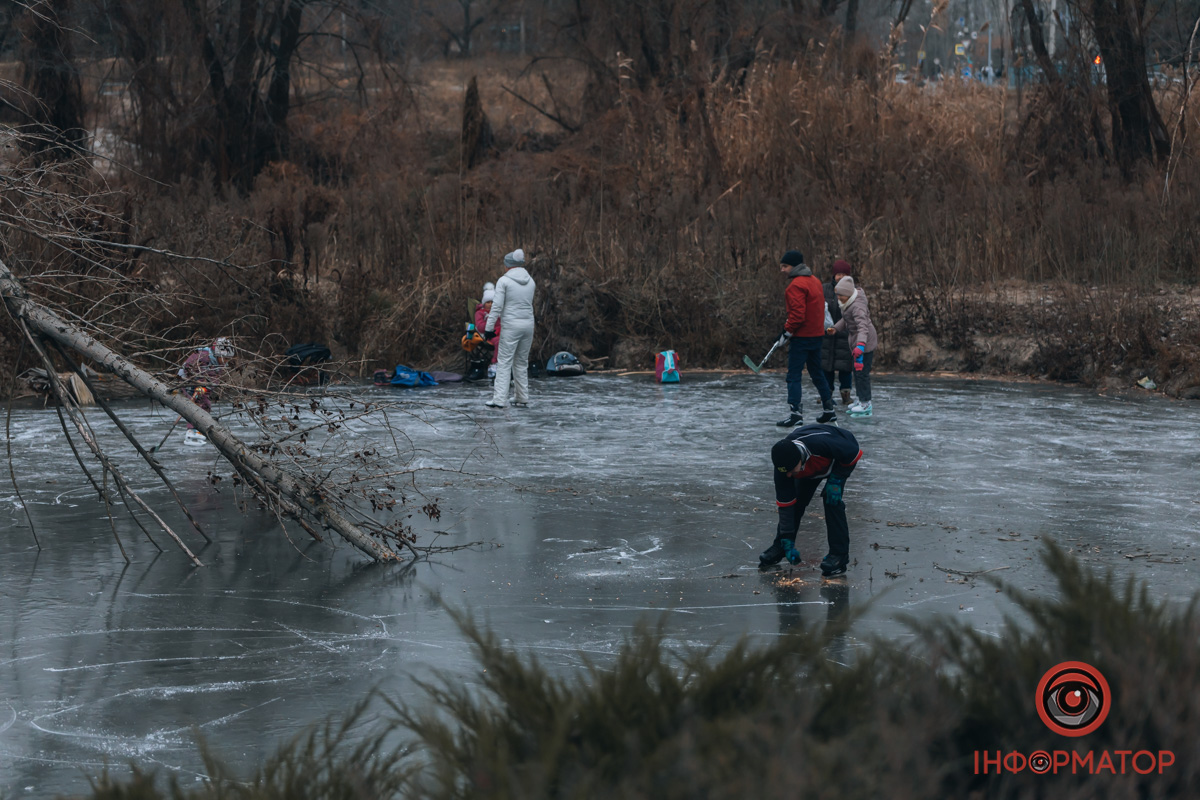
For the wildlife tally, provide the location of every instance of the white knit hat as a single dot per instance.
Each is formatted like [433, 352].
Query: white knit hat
[489, 295]
[515, 259]
[489, 285]
[845, 287]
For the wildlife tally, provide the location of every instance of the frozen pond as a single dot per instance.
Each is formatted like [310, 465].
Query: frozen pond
[611, 500]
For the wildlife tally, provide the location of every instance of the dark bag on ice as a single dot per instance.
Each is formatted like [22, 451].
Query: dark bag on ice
[563, 364]
[301, 369]
[303, 355]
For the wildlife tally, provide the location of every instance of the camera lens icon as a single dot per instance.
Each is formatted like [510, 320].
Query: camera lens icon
[1073, 698]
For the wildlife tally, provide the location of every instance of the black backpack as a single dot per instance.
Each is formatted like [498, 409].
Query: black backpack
[564, 364]
[301, 355]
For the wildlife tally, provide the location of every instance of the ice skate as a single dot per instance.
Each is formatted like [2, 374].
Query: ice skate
[833, 565]
[860, 409]
[773, 554]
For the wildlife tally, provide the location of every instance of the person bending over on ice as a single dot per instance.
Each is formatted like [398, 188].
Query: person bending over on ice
[856, 320]
[805, 327]
[805, 457]
[513, 303]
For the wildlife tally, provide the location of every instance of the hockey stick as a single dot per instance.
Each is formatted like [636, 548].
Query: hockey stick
[757, 368]
[164, 439]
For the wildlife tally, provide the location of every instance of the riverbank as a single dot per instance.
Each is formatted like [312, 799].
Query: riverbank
[1105, 338]
[651, 229]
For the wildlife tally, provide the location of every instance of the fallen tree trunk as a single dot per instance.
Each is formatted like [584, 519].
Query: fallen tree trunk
[298, 495]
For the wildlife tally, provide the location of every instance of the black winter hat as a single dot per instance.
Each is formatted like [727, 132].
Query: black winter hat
[786, 454]
[793, 258]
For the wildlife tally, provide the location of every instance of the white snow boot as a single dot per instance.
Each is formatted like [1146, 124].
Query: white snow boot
[860, 409]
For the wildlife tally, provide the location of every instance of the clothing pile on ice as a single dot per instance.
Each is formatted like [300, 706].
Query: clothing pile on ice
[409, 377]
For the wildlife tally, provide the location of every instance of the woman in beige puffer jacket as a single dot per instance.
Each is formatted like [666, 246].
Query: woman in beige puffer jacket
[856, 320]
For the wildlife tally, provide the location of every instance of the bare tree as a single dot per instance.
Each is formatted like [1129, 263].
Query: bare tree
[1138, 130]
[459, 21]
[54, 103]
[1116, 29]
[213, 83]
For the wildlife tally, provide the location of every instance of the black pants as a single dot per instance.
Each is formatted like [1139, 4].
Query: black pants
[843, 377]
[805, 351]
[837, 529]
[862, 378]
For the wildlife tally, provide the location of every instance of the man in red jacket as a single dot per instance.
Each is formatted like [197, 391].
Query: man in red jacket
[805, 327]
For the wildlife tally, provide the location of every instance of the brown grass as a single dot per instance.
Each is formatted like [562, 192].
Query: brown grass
[660, 223]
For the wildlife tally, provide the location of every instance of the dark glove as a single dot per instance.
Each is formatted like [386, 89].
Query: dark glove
[833, 490]
[858, 351]
[790, 552]
[489, 335]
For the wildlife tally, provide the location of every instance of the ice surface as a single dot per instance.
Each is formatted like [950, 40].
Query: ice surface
[609, 501]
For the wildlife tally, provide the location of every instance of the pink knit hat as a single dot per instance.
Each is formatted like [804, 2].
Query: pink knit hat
[845, 287]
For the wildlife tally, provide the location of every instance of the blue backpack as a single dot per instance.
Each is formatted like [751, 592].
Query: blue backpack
[666, 369]
[407, 376]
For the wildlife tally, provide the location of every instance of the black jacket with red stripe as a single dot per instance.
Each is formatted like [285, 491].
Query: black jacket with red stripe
[827, 450]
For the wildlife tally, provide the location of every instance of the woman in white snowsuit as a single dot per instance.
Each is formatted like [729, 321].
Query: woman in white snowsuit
[513, 305]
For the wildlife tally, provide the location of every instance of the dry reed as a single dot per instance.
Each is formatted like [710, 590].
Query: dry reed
[660, 223]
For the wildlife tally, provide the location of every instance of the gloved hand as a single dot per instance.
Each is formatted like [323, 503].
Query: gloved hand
[859, 351]
[790, 552]
[783, 338]
[489, 335]
[834, 485]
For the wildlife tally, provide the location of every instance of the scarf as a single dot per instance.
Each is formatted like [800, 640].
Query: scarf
[843, 304]
[799, 270]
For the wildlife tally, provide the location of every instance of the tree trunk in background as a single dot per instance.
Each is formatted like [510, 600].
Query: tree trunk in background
[851, 24]
[150, 87]
[827, 8]
[51, 77]
[467, 30]
[476, 130]
[1138, 131]
[280, 91]
[235, 120]
[1037, 40]
[723, 26]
